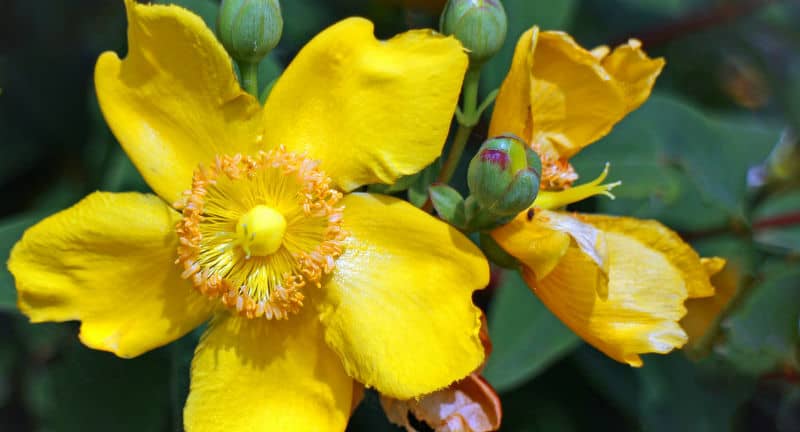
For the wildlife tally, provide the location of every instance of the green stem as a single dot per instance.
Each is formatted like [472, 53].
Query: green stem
[456, 150]
[249, 77]
[469, 109]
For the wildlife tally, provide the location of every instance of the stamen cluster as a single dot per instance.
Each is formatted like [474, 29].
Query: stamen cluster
[209, 249]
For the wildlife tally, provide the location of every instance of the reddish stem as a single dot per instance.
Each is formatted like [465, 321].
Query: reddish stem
[787, 219]
[695, 22]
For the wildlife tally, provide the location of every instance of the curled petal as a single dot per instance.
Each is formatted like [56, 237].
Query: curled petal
[540, 238]
[561, 97]
[469, 405]
[644, 299]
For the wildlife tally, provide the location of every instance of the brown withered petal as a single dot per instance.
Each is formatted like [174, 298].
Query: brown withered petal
[469, 405]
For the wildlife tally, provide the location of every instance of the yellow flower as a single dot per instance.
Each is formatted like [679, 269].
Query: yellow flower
[314, 291]
[620, 283]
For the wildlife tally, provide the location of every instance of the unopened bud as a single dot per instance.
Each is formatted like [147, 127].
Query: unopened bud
[480, 25]
[504, 176]
[249, 29]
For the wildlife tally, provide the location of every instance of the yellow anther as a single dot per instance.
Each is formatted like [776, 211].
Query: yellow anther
[260, 231]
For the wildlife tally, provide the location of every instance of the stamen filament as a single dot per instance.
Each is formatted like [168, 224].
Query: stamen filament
[552, 200]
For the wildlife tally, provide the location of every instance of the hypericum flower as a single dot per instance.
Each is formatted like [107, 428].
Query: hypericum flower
[310, 287]
[620, 283]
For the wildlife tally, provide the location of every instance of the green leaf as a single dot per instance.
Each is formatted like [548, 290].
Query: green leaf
[669, 8]
[616, 381]
[449, 204]
[181, 353]
[90, 390]
[369, 416]
[669, 392]
[675, 173]
[677, 394]
[778, 232]
[525, 335]
[763, 332]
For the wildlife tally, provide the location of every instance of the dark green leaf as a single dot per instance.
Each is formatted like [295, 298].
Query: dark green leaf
[181, 353]
[761, 334]
[677, 394]
[90, 390]
[675, 173]
[525, 335]
[369, 416]
[772, 223]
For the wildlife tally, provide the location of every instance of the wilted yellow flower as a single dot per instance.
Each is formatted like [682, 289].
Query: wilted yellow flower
[310, 287]
[620, 283]
[560, 97]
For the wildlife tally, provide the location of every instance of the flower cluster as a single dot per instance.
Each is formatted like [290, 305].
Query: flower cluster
[315, 289]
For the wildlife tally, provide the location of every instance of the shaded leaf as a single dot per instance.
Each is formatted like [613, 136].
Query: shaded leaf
[776, 222]
[697, 168]
[449, 204]
[677, 394]
[762, 333]
[525, 335]
[93, 391]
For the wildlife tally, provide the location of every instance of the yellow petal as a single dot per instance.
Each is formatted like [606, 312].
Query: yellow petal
[662, 239]
[512, 111]
[575, 96]
[532, 240]
[260, 375]
[398, 307]
[634, 72]
[369, 110]
[704, 313]
[174, 101]
[643, 305]
[108, 261]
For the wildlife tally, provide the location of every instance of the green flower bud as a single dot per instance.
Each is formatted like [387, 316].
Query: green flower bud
[480, 25]
[249, 29]
[504, 176]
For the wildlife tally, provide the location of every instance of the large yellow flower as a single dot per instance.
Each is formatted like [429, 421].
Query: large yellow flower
[620, 283]
[310, 288]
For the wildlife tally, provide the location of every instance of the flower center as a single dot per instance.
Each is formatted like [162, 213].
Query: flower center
[257, 230]
[260, 231]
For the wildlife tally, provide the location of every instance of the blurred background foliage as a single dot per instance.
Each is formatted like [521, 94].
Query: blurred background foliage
[714, 154]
